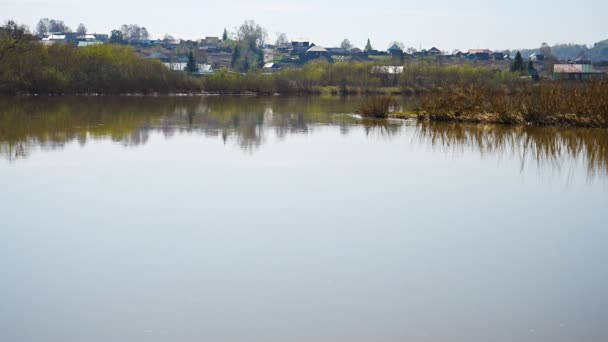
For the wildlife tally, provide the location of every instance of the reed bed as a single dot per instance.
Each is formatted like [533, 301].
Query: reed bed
[569, 104]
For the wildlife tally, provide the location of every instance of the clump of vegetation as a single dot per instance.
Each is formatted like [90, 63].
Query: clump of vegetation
[572, 104]
[378, 106]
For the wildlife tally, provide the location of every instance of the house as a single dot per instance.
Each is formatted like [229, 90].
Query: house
[270, 67]
[300, 46]
[434, 52]
[317, 52]
[87, 40]
[457, 54]
[390, 75]
[205, 69]
[479, 54]
[210, 41]
[576, 72]
[54, 38]
[497, 56]
[209, 44]
[537, 57]
[395, 51]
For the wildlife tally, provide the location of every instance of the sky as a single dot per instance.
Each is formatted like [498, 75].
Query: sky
[446, 24]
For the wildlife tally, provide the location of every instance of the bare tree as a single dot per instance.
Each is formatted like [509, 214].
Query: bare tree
[134, 32]
[58, 26]
[82, 30]
[42, 28]
[145, 35]
[346, 45]
[281, 39]
[251, 34]
[545, 49]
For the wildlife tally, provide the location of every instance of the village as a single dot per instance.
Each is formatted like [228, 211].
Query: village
[213, 53]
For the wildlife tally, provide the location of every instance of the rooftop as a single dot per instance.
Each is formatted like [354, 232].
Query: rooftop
[574, 69]
[317, 49]
[473, 51]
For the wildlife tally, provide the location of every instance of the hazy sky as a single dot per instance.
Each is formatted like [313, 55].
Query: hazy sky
[446, 24]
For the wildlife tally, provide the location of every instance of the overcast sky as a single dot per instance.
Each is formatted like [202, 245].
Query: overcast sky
[446, 24]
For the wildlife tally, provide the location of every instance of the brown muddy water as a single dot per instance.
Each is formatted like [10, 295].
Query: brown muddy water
[288, 219]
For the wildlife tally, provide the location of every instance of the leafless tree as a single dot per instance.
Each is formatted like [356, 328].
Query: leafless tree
[346, 45]
[82, 30]
[281, 39]
[251, 34]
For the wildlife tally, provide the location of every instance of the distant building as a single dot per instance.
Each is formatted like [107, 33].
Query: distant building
[300, 46]
[210, 41]
[87, 40]
[434, 52]
[479, 54]
[390, 75]
[497, 56]
[205, 69]
[269, 67]
[317, 52]
[54, 38]
[209, 44]
[457, 54]
[537, 57]
[576, 72]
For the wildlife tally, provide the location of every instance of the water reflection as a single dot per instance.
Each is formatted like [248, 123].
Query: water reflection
[545, 146]
[27, 124]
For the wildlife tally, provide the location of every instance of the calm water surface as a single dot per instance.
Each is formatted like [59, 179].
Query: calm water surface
[283, 219]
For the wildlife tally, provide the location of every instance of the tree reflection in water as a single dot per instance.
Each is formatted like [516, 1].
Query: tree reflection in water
[51, 123]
